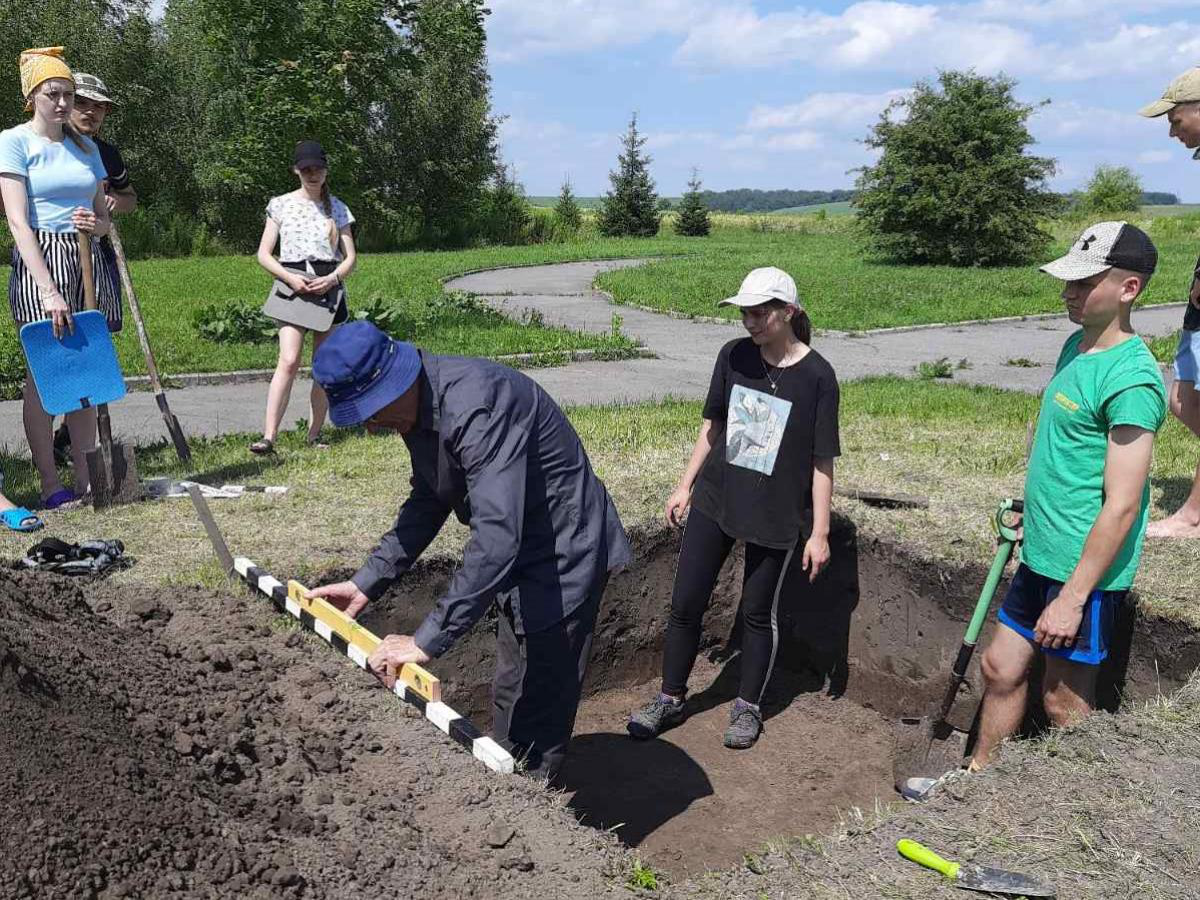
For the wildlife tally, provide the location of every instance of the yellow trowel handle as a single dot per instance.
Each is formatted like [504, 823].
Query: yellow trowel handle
[921, 854]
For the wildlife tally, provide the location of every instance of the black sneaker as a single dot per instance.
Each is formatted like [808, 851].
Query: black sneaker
[655, 717]
[745, 725]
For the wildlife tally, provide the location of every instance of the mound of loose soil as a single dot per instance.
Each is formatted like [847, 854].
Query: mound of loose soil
[188, 744]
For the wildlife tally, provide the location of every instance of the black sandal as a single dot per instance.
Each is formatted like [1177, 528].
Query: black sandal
[262, 447]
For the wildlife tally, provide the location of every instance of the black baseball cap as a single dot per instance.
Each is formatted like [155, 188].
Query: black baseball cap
[1103, 246]
[310, 153]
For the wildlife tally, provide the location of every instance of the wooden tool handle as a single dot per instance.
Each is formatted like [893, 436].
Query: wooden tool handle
[85, 267]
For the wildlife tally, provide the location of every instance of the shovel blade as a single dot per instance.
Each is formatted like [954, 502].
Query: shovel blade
[112, 471]
[926, 749]
[998, 881]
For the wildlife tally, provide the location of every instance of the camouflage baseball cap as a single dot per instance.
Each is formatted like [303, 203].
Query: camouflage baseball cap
[91, 87]
[1184, 89]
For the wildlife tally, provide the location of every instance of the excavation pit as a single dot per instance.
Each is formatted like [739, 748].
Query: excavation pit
[872, 641]
[186, 742]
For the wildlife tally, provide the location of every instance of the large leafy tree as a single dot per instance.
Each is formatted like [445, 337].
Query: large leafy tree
[954, 182]
[1112, 189]
[215, 95]
[631, 205]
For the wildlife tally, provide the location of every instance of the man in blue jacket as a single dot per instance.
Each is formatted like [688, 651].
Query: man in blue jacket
[488, 444]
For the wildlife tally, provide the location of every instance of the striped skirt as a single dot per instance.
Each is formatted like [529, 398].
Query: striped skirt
[61, 252]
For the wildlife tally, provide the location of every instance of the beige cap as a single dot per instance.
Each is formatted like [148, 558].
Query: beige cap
[1184, 89]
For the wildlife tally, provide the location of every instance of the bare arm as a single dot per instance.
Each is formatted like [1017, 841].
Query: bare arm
[1126, 468]
[266, 246]
[123, 201]
[681, 497]
[12, 189]
[349, 255]
[100, 209]
[816, 549]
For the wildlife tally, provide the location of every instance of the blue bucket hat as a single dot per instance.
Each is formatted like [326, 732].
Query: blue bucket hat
[363, 370]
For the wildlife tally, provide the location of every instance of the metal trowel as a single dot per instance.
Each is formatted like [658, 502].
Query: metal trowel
[976, 878]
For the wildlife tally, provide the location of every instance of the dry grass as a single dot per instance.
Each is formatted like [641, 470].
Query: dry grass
[962, 447]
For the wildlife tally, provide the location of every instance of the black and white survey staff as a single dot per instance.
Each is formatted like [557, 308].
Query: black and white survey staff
[488, 444]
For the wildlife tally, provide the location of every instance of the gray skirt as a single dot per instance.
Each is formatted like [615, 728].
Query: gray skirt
[61, 252]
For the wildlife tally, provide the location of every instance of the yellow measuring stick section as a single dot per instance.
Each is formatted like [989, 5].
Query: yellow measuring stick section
[416, 679]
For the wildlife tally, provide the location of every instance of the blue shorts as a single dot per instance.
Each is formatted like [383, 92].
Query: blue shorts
[1187, 357]
[1030, 593]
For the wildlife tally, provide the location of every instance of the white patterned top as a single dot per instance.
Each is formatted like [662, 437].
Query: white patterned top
[304, 227]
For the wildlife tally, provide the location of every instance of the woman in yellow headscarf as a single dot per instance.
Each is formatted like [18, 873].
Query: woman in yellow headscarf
[51, 181]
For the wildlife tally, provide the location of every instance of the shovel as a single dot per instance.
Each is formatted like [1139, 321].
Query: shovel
[929, 746]
[112, 468]
[181, 445]
[976, 878]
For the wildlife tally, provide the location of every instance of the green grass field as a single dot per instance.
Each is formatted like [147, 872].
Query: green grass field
[846, 289]
[843, 287]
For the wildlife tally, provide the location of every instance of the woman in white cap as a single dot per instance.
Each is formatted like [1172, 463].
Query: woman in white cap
[316, 253]
[773, 403]
[51, 180]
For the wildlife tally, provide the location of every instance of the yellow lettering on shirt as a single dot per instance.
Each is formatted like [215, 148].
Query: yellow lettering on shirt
[1066, 402]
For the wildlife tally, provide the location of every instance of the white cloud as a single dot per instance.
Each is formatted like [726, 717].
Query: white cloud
[837, 108]
[878, 34]
[1154, 157]
[1048, 11]
[1078, 121]
[524, 28]
[1130, 49]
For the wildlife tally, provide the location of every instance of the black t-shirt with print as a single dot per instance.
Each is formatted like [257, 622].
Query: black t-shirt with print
[757, 481]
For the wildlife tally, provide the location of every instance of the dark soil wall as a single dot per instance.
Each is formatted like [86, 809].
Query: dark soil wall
[880, 626]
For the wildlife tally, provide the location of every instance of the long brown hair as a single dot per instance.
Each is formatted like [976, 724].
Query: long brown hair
[327, 205]
[801, 323]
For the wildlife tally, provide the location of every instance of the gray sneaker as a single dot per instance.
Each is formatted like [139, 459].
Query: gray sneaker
[918, 790]
[655, 717]
[745, 725]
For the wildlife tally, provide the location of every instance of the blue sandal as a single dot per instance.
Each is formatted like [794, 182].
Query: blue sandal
[20, 519]
[63, 497]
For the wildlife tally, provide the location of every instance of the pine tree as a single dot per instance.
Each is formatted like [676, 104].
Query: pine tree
[566, 211]
[629, 208]
[693, 220]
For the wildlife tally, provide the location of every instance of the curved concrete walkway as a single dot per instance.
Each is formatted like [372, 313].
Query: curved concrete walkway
[685, 350]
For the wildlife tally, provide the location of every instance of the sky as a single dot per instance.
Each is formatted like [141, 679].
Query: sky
[774, 94]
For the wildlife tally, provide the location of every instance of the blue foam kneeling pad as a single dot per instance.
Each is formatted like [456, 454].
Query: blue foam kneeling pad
[78, 371]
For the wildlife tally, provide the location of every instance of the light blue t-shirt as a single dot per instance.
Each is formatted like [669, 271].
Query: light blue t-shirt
[59, 177]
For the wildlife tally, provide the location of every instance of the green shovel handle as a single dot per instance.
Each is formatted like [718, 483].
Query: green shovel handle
[922, 855]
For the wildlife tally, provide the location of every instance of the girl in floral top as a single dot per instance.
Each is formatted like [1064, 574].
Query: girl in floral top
[312, 228]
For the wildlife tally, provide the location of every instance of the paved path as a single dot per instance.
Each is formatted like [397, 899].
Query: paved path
[563, 294]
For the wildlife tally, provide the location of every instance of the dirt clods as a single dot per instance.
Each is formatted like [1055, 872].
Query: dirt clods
[186, 744]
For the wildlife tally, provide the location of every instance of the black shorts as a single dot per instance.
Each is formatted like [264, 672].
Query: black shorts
[1030, 593]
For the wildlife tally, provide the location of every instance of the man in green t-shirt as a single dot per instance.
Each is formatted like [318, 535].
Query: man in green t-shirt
[1087, 495]
[1087, 491]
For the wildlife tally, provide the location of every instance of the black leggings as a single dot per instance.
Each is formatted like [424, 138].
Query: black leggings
[705, 547]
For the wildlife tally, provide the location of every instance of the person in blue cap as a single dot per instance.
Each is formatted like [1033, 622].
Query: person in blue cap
[488, 444]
